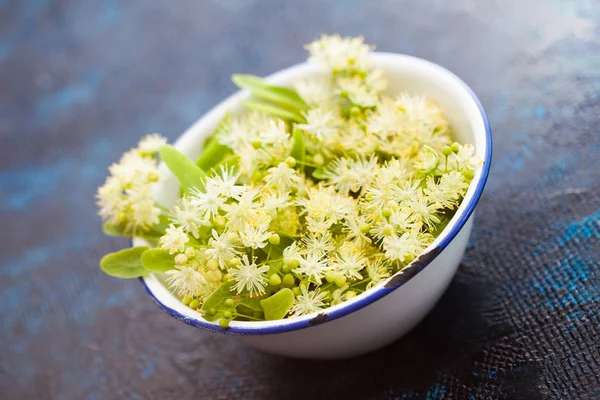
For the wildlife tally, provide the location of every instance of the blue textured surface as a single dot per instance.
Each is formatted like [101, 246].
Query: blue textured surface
[80, 82]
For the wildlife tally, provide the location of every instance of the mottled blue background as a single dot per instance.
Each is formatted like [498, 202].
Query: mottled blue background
[81, 81]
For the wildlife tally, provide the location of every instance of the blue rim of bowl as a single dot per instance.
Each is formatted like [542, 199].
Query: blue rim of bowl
[375, 293]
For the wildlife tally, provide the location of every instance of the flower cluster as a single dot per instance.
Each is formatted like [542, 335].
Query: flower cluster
[125, 200]
[322, 201]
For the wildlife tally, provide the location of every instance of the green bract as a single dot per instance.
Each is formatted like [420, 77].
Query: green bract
[315, 194]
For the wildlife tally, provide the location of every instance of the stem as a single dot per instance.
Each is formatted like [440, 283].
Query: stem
[308, 164]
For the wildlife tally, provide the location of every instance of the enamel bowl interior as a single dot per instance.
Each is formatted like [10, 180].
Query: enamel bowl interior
[404, 73]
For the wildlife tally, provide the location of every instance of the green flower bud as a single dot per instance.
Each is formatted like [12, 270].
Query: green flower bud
[364, 228]
[350, 294]
[296, 291]
[291, 262]
[227, 315]
[354, 111]
[446, 150]
[187, 300]
[235, 262]
[219, 221]
[274, 239]
[212, 264]
[180, 259]
[212, 311]
[289, 280]
[194, 304]
[223, 323]
[305, 282]
[455, 147]
[340, 280]
[190, 252]
[274, 280]
[286, 269]
[330, 276]
[318, 159]
[469, 174]
[388, 230]
[290, 161]
[257, 144]
[386, 212]
[229, 303]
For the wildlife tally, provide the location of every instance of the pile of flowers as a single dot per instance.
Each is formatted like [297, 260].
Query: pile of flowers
[314, 195]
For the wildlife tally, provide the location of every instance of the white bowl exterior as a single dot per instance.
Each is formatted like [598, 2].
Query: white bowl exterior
[391, 316]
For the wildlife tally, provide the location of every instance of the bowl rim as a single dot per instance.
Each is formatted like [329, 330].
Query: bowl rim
[382, 289]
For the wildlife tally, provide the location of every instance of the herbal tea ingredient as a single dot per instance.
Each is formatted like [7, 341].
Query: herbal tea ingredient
[314, 195]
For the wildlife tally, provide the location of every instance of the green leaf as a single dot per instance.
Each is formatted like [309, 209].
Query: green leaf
[251, 303]
[217, 301]
[189, 174]
[273, 109]
[277, 94]
[155, 232]
[319, 174]
[278, 305]
[298, 147]
[158, 260]
[214, 151]
[126, 263]
[211, 155]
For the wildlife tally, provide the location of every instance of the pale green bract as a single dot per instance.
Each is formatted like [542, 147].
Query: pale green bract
[317, 193]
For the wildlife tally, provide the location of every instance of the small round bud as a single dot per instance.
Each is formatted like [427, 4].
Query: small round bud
[386, 212]
[180, 259]
[186, 300]
[212, 264]
[212, 311]
[364, 228]
[340, 280]
[330, 276]
[446, 150]
[194, 304]
[154, 176]
[304, 282]
[469, 174]
[291, 262]
[274, 239]
[274, 280]
[350, 294]
[286, 269]
[318, 159]
[223, 323]
[455, 147]
[296, 291]
[190, 252]
[290, 161]
[354, 111]
[219, 221]
[227, 277]
[289, 280]
[257, 144]
[214, 276]
[227, 315]
[388, 230]
[229, 303]
[235, 262]
[369, 196]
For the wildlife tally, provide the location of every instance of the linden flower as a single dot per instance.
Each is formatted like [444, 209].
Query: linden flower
[401, 248]
[340, 53]
[174, 239]
[282, 177]
[186, 281]
[349, 260]
[150, 144]
[321, 123]
[308, 301]
[357, 92]
[276, 132]
[189, 216]
[208, 202]
[314, 91]
[313, 266]
[222, 247]
[250, 277]
[255, 237]
[224, 183]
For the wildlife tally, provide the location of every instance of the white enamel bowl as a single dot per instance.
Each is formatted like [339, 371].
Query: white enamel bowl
[383, 314]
